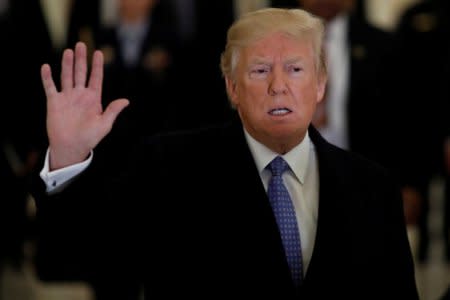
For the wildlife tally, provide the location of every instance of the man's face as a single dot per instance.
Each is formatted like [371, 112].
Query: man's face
[276, 89]
[327, 9]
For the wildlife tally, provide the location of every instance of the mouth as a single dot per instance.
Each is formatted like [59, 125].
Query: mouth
[281, 111]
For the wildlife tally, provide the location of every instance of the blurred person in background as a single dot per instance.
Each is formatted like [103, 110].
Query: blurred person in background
[202, 28]
[26, 126]
[85, 20]
[23, 134]
[352, 111]
[422, 50]
[141, 63]
[14, 224]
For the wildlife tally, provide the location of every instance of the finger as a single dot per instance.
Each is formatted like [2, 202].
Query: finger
[47, 81]
[80, 64]
[112, 111]
[67, 70]
[96, 78]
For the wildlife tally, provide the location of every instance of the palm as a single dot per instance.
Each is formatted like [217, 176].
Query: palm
[76, 122]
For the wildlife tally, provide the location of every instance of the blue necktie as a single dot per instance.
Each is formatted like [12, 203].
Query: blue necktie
[284, 212]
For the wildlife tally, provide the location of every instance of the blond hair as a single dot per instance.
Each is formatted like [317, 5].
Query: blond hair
[253, 26]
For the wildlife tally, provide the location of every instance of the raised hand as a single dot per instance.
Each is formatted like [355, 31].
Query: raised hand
[76, 121]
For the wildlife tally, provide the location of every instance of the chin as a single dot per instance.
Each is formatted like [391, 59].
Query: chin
[283, 133]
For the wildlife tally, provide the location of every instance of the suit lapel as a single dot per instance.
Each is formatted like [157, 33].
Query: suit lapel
[335, 216]
[260, 235]
[251, 189]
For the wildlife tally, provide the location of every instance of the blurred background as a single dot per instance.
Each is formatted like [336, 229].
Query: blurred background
[388, 98]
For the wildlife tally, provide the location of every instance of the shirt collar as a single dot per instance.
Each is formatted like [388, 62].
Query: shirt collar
[297, 158]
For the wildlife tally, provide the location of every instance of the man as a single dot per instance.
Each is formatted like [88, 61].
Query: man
[196, 19]
[197, 213]
[423, 30]
[141, 64]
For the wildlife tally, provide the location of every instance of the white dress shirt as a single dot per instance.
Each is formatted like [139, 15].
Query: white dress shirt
[302, 183]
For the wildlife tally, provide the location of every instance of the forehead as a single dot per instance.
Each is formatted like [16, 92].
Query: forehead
[278, 45]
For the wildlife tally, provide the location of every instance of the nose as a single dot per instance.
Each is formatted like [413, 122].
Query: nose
[277, 84]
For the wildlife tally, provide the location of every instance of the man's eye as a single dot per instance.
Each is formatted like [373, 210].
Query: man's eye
[295, 69]
[259, 72]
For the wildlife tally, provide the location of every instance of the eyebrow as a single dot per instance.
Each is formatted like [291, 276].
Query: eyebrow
[259, 61]
[294, 60]
[263, 61]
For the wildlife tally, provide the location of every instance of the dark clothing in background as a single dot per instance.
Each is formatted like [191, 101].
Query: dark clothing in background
[28, 109]
[423, 47]
[150, 83]
[14, 224]
[85, 22]
[22, 119]
[200, 67]
[422, 109]
[368, 92]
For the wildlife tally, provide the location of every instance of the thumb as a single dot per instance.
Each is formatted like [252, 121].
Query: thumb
[113, 110]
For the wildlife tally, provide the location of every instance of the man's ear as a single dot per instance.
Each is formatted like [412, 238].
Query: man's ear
[231, 90]
[321, 87]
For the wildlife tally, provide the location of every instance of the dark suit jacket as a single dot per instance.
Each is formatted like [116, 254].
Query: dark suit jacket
[201, 54]
[192, 218]
[26, 106]
[423, 32]
[369, 90]
[148, 85]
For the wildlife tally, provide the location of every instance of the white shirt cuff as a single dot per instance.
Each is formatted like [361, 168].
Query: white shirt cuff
[57, 180]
